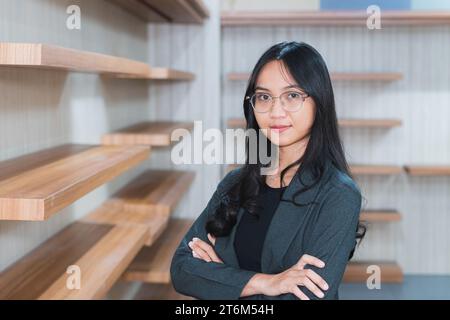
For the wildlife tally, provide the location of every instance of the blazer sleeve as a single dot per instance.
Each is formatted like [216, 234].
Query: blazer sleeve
[332, 240]
[206, 280]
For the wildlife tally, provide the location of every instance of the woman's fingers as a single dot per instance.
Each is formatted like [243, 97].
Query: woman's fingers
[311, 287]
[307, 259]
[204, 250]
[199, 253]
[296, 291]
[212, 239]
[311, 274]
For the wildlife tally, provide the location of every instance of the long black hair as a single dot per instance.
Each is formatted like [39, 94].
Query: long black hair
[309, 70]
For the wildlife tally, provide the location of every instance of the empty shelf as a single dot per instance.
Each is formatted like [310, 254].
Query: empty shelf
[344, 123]
[38, 55]
[338, 76]
[168, 11]
[331, 18]
[428, 170]
[154, 192]
[154, 224]
[99, 252]
[146, 133]
[35, 186]
[357, 271]
[152, 264]
[375, 170]
[380, 215]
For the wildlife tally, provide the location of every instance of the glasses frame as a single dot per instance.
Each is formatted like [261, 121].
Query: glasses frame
[303, 95]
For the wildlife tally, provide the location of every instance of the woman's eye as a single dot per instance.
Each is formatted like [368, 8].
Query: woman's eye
[294, 95]
[263, 97]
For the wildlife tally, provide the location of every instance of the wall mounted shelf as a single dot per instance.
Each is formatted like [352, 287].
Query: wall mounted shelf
[101, 251]
[155, 134]
[152, 264]
[166, 11]
[44, 56]
[35, 186]
[337, 76]
[428, 170]
[331, 18]
[357, 271]
[154, 192]
[375, 169]
[380, 215]
[344, 123]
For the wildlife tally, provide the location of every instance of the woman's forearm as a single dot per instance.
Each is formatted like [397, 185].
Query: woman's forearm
[256, 285]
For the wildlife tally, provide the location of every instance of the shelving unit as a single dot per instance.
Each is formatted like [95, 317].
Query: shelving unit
[146, 201]
[428, 170]
[152, 264]
[100, 251]
[375, 169]
[154, 224]
[331, 18]
[344, 123]
[154, 192]
[44, 56]
[166, 11]
[35, 186]
[155, 134]
[357, 271]
[386, 215]
[337, 76]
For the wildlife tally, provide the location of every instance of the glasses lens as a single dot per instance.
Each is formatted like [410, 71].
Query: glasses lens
[262, 102]
[291, 101]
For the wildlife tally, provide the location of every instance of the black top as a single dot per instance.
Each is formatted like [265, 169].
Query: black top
[251, 231]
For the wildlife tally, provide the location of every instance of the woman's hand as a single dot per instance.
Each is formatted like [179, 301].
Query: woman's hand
[289, 280]
[204, 251]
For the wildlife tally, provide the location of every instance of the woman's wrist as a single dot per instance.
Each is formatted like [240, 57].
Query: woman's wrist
[256, 285]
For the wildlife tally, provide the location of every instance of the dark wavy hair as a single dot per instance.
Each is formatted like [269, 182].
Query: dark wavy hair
[309, 70]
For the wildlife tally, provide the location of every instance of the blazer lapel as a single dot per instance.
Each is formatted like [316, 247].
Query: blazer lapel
[283, 227]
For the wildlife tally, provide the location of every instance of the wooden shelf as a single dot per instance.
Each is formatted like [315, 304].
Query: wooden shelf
[155, 134]
[380, 216]
[331, 18]
[154, 224]
[44, 56]
[343, 123]
[355, 169]
[369, 123]
[154, 192]
[152, 264]
[338, 76]
[101, 251]
[357, 271]
[428, 170]
[35, 186]
[167, 11]
[375, 170]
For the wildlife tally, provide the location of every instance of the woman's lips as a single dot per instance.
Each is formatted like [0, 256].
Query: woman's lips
[279, 129]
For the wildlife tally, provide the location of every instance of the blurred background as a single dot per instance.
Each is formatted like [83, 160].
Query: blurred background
[166, 64]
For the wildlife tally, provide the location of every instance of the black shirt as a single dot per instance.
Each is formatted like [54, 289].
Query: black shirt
[251, 231]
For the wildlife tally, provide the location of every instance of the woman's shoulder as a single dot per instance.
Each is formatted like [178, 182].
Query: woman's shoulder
[230, 178]
[343, 186]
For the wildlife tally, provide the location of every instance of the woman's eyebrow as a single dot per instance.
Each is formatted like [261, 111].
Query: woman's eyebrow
[288, 87]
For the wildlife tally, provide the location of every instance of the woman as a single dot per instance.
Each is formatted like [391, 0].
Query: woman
[287, 235]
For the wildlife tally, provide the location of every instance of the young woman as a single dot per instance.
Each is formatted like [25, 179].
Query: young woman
[287, 235]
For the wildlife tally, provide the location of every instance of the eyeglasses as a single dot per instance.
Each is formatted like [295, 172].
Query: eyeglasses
[291, 101]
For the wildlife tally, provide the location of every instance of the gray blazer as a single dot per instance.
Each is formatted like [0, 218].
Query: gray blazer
[325, 230]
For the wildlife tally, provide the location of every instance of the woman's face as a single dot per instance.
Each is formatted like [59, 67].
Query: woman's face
[274, 80]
